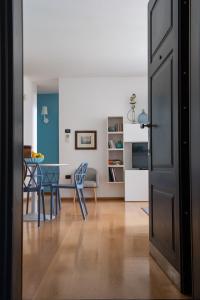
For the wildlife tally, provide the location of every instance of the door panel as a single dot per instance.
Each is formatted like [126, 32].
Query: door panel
[162, 114]
[163, 209]
[161, 11]
[164, 142]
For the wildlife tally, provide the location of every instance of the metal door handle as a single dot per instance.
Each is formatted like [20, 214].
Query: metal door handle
[149, 125]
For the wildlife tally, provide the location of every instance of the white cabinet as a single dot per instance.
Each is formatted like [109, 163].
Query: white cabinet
[136, 180]
[133, 133]
[136, 185]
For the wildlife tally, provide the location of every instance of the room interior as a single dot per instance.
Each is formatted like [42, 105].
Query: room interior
[85, 100]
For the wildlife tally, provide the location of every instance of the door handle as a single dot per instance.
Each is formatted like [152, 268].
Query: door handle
[148, 125]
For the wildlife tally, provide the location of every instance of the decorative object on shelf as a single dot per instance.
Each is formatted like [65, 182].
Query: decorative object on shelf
[86, 140]
[119, 145]
[111, 144]
[44, 113]
[118, 127]
[143, 117]
[115, 162]
[131, 112]
[111, 129]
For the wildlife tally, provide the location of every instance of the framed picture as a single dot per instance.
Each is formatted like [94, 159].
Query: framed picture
[85, 140]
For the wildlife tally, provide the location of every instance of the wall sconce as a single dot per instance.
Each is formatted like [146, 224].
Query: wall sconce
[44, 113]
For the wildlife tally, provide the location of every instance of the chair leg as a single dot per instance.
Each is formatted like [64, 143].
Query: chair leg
[51, 204]
[39, 208]
[83, 200]
[27, 202]
[81, 205]
[43, 206]
[74, 197]
[59, 199]
[56, 200]
[95, 194]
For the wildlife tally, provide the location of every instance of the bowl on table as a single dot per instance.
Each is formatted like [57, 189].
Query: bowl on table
[34, 160]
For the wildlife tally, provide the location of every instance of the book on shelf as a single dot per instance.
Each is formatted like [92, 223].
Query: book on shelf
[112, 175]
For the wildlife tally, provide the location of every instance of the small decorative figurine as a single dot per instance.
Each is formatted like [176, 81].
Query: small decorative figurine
[131, 112]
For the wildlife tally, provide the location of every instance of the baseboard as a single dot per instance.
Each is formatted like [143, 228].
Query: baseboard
[87, 198]
[68, 199]
[169, 270]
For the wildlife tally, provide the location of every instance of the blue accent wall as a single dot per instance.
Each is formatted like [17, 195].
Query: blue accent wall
[48, 134]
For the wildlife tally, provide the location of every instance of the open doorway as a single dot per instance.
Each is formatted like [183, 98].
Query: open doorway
[98, 52]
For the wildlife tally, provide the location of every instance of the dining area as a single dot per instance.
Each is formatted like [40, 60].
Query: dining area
[41, 179]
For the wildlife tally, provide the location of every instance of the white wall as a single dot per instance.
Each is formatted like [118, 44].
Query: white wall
[84, 104]
[30, 113]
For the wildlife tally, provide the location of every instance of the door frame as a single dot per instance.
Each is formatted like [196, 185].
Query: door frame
[11, 141]
[11, 152]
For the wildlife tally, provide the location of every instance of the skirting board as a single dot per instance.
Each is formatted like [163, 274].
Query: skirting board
[169, 270]
[88, 198]
[98, 199]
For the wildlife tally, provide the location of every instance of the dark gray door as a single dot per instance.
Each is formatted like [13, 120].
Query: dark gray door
[195, 143]
[11, 141]
[165, 104]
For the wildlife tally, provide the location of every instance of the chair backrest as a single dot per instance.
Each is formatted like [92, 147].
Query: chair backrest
[91, 174]
[79, 175]
[33, 176]
[50, 175]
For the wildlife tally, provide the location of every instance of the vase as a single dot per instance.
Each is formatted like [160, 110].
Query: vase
[143, 117]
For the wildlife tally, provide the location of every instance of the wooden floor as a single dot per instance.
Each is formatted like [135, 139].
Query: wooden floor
[106, 257]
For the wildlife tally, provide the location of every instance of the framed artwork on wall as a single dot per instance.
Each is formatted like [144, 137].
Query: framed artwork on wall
[86, 140]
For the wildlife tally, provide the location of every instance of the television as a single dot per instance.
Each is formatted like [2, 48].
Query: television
[140, 156]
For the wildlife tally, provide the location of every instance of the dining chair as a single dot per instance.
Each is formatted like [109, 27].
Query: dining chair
[78, 184]
[33, 184]
[51, 177]
[91, 182]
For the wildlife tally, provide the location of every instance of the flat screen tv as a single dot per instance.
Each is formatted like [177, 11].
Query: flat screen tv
[140, 156]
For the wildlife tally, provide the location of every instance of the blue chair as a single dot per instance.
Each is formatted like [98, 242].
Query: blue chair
[33, 184]
[79, 176]
[51, 177]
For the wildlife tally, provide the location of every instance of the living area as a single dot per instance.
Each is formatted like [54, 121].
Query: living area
[85, 117]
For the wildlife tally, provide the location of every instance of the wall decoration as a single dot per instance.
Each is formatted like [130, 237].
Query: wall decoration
[86, 140]
[131, 112]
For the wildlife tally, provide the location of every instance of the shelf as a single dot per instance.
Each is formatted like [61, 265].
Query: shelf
[115, 182]
[115, 166]
[115, 132]
[115, 149]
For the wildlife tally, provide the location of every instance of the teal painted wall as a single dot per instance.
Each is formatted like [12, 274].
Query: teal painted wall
[48, 134]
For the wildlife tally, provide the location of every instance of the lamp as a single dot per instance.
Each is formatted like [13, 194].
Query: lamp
[44, 113]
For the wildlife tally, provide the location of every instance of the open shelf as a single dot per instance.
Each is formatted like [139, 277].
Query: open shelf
[115, 166]
[115, 149]
[115, 182]
[115, 132]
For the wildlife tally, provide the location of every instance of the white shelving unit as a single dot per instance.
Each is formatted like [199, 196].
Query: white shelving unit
[115, 156]
[136, 181]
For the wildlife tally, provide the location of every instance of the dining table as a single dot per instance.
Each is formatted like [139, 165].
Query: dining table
[33, 215]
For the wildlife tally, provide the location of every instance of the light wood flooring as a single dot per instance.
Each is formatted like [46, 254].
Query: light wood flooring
[106, 257]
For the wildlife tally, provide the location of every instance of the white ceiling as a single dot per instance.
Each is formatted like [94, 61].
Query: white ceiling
[75, 38]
